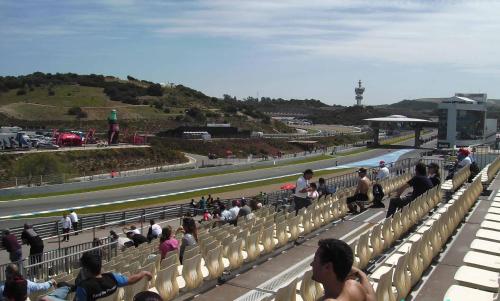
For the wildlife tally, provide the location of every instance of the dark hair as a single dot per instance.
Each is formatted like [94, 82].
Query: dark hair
[313, 185]
[190, 227]
[166, 233]
[91, 262]
[321, 180]
[435, 166]
[6, 232]
[147, 296]
[16, 287]
[27, 226]
[308, 171]
[339, 254]
[421, 169]
[151, 222]
[253, 204]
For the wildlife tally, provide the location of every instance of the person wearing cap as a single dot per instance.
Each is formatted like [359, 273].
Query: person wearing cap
[420, 184]
[383, 171]
[360, 196]
[463, 158]
[302, 187]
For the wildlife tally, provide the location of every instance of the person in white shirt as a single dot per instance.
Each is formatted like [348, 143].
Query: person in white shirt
[301, 189]
[383, 172]
[74, 221]
[463, 158]
[225, 214]
[234, 210]
[154, 230]
[66, 226]
[313, 194]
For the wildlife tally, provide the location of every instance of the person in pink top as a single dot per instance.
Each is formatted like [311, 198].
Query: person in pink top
[167, 242]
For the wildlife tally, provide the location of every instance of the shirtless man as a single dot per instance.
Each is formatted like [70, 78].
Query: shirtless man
[332, 267]
[360, 196]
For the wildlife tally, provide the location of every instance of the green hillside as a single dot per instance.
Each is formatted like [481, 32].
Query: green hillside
[46, 100]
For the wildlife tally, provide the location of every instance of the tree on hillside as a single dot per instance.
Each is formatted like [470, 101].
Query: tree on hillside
[154, 90]
[131, 78]
[33, 166]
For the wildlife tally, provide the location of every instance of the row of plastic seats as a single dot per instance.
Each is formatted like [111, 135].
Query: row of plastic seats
[458, 179]
[402, 271]
[382, 236]
[493, 169]
[478, 278]
[225, 248]
[390, 185]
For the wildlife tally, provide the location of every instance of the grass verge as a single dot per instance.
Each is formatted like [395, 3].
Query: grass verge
[145, 182]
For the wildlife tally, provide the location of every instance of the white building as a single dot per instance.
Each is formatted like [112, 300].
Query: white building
[462, 121]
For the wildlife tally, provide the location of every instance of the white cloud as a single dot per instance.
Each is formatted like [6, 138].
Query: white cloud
[458, 33]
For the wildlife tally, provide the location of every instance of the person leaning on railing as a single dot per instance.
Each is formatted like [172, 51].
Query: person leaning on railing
[17, 288]
[91, 284]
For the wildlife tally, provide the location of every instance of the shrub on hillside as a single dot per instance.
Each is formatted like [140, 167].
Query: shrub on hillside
[35, 165]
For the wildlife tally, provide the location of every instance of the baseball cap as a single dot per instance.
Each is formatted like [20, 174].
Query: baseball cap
[381, 162]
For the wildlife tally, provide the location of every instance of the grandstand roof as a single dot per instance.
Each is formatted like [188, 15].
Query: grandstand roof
[397, 118]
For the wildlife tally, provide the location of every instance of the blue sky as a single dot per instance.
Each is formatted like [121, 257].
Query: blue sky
[277, 48]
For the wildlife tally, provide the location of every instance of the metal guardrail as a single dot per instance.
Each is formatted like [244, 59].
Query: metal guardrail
[61, 261]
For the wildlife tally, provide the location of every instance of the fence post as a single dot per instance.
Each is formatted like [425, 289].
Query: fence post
[93, 232]
[16, 182]
[41, 180]
[58, 235]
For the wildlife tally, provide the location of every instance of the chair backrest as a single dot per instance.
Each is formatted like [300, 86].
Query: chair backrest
[191, 272]
[267, 240]
[402, 277]
[235, 255]
[190, 251]
[172, 258]
[214, 263]
[384, 287]
[251, 246]
[166, 283]
[363, 251]
[310, 290]
[281, 235]
[376, 241]
[287, 293]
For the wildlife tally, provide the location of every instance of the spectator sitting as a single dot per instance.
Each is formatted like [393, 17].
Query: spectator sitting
[433, 173]
[137, 239]
[190, 237]
[313, 194]
[332, 267]
[420, 184]
[17, 288]
[360, 196]
[147, 296]
[383, 172]
[9, 242]
[244, 209]
[154, 230]
[225, 214]
[132, 229]
[254, 204]
[207, 216]
[95, 244]
[167, 242]
[235, 210]
[94, 284]
[323, 189]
